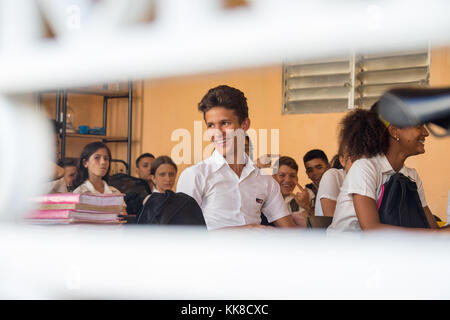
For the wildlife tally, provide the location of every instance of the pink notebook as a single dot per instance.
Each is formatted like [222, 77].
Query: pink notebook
[71, 214]
[84, 198]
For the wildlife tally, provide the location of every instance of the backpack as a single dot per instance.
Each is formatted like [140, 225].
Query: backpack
[400, 205]
[171, 208]
[135, 190]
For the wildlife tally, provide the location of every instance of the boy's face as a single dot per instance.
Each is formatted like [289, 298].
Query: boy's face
[315, 168]
[287, 178]
[69, 174]
[143, 171]
[225, 131]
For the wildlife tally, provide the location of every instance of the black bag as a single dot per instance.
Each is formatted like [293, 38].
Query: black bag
[171, 208]
[135, 190]
[400, 203]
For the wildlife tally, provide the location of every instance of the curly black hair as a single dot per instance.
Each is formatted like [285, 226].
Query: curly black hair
[362, 133]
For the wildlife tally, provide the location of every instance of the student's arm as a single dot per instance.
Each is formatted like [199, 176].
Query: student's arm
[189, 183]
[431, 221]
[328, 206]
[274, 207]
[285, 222]
[367, 213]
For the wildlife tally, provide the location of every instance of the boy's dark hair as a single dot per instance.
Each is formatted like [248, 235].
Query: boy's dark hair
[227, 97]
[159, 161]
[335, 163]
[362, 133]
[286, 161]
[68, 162]
[315, 154]
[144, 155]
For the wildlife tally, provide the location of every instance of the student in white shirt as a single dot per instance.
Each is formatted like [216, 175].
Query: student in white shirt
[360, 134]
[93, 170]
[65, 184]
[356, 207]
[316, 163]
[299, 204]
[329, 188]
[229, 188]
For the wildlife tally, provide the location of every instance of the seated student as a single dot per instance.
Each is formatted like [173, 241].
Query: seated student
[329, 188]
[93, 170]
[164, 206]
[65, 184]
[316, 163]
[356, 207]
[231, 191]
[143, 164]
[359, 136]
[163, 172]
[297, 204]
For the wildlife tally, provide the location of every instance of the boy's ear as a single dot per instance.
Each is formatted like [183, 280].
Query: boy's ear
[245, 124]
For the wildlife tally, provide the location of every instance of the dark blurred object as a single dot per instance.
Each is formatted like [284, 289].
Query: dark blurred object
[121, 162]
[129, 218]
[135, 190]
[407, 107]
[171, 208]
[266, 222]
[336, 163]
[318, 222]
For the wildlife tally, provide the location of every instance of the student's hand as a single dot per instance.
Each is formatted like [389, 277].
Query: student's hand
[265, 161]
[302, 199]
[299, 220]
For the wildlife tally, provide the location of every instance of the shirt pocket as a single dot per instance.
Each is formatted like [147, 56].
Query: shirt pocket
[259, 201]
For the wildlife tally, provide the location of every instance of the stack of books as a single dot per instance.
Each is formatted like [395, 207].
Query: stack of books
[65, 208]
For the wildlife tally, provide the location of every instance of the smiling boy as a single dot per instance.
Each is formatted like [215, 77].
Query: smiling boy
[228, 187]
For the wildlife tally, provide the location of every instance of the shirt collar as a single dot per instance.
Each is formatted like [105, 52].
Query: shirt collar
[386, 166]
[217, 161]
[91, 188]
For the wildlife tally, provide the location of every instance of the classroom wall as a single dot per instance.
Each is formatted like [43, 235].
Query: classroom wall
[169, 104]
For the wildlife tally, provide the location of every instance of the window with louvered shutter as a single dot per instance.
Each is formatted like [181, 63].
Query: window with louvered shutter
[337, 85]
[318, 86]
[376, 74]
